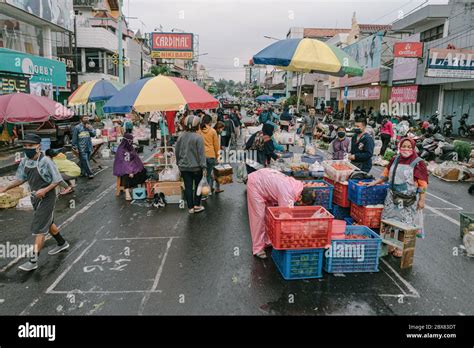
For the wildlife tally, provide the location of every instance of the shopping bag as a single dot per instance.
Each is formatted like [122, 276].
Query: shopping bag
[241, 172]
[203, 187]
[419, 222]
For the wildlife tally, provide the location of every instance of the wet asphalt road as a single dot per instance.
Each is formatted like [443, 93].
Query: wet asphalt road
[135, 259]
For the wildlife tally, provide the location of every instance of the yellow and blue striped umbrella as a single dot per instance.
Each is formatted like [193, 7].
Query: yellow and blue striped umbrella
[308, 55]
[94, 91]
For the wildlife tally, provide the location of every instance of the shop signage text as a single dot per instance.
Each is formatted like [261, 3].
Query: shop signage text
[408, 49]
[172, 45]
[363, 93]
[406, 94]
[14, 84]
[450, 63]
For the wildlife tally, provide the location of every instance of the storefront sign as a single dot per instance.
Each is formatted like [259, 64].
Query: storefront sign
[363, 93]
[172, 45]
[404, 82]
[41, 70]
[408, 49]
[404, 68]
[367, 52]
[450, 63]
[69, 62]
[406, 94]
[14, 84]
[369, 76]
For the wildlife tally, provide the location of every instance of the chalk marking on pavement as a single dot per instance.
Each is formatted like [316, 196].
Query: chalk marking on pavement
[25, 311]
[450, 219]
[410, 287]
[65, 223]
[157, 277]
[63, 274]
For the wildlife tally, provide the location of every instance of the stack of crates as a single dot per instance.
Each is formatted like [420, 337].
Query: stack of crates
[299, 236]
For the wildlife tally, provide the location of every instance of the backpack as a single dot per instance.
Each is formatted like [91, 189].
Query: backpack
[258, 142]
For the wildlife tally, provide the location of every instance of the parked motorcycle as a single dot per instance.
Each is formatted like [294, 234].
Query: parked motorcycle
[448, 125]
[465, 129]
[434, 121]
[436, 148]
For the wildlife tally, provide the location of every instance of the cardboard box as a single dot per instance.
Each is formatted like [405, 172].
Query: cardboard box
[168, 188]
[223, 170]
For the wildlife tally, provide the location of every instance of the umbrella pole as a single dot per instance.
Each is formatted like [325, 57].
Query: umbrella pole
[298, 91]
[22, 132]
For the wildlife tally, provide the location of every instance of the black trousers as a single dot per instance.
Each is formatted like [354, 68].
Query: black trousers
[138, 179]
[385, 141]
[191, 182]
[153, 129]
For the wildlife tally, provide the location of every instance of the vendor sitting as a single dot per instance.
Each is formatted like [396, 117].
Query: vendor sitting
[128, 165]
[68, 169]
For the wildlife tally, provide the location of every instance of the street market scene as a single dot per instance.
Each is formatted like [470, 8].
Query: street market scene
[321, 163]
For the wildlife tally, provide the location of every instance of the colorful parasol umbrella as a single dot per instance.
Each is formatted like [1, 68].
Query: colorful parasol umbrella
[265, 98]
[94, 91]
[308, 55]
[160, 93]
[27, 108]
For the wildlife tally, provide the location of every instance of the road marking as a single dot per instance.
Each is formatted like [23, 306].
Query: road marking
[25, 311]
[443, 200]
[30, 249]
[63, 274]
[106, 292]
[157, 279]
[450, 219]
[410, 287]
[123, 238]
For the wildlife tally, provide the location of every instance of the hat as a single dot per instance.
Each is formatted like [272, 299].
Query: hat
[268, 129]
[31, 139]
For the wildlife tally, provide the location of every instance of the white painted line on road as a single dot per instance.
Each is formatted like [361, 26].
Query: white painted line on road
[124, 238]
[2, 300]
[105, 292]
[25, 311]
[404, 295]
[30, 249]
[437, 212]
[456, 209]
[63, 274]
[410, 287]
[394, 281]
[443, 200]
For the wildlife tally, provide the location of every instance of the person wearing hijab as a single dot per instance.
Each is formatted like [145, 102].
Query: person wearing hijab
[407, 177]
[262, 143]
[128, 165]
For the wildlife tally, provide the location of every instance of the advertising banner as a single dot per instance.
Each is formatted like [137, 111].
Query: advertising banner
[369, 76]
[408, 49]
[363, 93]
[405, 94]
[404, 68]
[10, 83]
[450, 63]
[366, 52]
[59, 12]
[172, 45]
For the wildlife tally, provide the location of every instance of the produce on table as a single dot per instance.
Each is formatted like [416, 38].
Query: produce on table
[341, 166]
[315, 184]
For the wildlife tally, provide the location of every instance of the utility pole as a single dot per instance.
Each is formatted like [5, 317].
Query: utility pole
[76, 79]
[120, 49]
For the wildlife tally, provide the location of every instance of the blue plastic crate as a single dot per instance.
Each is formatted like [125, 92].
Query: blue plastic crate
[340, 213]
[349, 221]
[358, 255]
[311, 158]
[323, 194]
[364, 195]
[286, 154]
[299, 264]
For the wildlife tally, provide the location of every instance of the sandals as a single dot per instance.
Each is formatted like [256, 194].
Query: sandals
[261, 255]
[198, 209]
[191, 211]
[219, 191]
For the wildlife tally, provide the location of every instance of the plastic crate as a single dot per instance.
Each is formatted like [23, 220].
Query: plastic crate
[323, 194]
[358, 255]
[364, 195]
[366, 216]
[296, 228]
[338, 175]
[466, 223]
[339, 212]
[349, 221]
[311, 158]
[139, 193]
[301, 173]
[340, 195]
[299, 264]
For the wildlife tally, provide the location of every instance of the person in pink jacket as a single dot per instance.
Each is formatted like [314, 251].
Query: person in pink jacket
[265, 188]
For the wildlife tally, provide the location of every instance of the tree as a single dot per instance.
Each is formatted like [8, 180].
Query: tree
[160, 70]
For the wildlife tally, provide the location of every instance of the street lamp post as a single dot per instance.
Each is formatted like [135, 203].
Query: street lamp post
[120, 53]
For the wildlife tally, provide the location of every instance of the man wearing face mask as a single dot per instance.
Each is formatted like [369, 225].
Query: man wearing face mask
[42, 176]
[340, 146]
[82, 143]
[362, 146]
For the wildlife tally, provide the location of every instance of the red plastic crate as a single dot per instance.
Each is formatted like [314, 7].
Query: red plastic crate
[296, 228]
[369, 217]
[340, 194]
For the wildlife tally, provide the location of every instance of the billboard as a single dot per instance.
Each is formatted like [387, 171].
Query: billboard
[367, 52]
[404, 69]
[406, 94]
[362, 93]
[408, 49]
[59, 12]
[451, 63]
[172, 45]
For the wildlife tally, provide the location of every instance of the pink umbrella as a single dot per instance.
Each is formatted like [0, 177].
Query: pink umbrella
[27, 108]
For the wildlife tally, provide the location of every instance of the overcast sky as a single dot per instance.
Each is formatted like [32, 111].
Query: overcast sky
[232, 31]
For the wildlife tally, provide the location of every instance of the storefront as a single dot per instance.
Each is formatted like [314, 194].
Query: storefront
[20, 72]
[365, 97]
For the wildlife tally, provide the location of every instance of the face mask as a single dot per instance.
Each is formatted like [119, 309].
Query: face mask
[30, 153]
[358, 131]
[341, 134]
[406, 153]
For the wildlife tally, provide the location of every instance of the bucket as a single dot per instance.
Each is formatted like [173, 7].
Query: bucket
[45, 144]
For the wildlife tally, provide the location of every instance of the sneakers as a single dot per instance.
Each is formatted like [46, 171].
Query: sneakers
[28, 266]
[58, 248]
[199, 209]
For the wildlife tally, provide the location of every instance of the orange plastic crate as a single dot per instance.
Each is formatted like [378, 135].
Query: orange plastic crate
[296, 228]
[340, 194]
[365, 216]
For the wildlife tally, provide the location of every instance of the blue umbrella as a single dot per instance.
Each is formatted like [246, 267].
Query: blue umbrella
[265, 98]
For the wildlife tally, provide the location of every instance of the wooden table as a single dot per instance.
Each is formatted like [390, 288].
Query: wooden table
[404, 237]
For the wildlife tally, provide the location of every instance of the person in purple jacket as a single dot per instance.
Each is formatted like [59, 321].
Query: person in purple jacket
[340, 146]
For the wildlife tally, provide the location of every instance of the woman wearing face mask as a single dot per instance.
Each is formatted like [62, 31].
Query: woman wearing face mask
[339, 147]
[42, 176]
[128, 165]
[407, 176]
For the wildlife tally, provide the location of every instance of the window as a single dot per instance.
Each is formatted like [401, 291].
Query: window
[20, 36]
[432, 34]
[94, 61]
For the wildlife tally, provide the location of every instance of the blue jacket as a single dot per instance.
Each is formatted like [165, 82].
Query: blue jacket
[81, 138]
[363, 150]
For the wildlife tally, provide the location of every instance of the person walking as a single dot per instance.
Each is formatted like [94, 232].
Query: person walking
[191, 160]
[362, 146]
[386, 134]
[229, 130]
[339, 147]
[309, 124]
[82, 143]
[154, 118]
[211, 148]
[42, 176]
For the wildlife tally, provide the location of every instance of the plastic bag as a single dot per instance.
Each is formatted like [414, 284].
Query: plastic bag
[310, 150]
[300, 142]
[170, 174]
[449, 171]
[419, 222]
[241, 172]
[203, 187]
